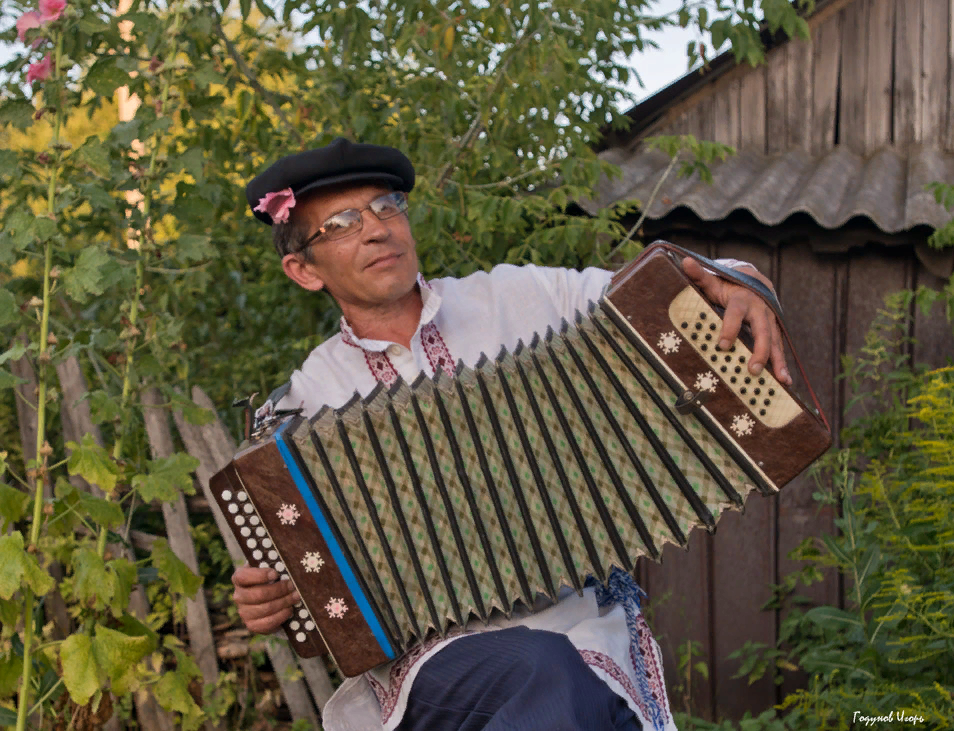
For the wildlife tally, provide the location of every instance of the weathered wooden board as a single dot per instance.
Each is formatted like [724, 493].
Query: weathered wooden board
[877, 107]
[752, 111]
[853, 84]
[935, 72]
[826, 57]
[776, 94]
[907, 72]
[807, 284]
[725, 112]
[799, 93]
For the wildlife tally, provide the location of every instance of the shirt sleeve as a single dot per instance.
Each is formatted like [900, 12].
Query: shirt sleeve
[571, 290]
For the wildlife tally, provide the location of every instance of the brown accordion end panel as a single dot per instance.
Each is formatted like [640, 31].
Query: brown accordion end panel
[756, 415]
[277, 531]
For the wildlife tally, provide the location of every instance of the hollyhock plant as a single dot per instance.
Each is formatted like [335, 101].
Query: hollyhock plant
[51, 10]
[26, 22]
[41, 70]
[277, 205]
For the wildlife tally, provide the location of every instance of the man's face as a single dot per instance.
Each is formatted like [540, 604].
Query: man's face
[375, 266]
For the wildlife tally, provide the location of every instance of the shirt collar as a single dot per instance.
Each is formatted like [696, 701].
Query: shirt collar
[431, 304]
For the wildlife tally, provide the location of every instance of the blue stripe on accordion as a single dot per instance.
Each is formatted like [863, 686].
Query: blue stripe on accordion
[342, 563]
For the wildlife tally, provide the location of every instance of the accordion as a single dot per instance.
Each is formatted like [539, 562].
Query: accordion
[409, 511]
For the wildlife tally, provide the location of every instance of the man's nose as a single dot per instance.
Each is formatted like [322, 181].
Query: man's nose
[373, 228]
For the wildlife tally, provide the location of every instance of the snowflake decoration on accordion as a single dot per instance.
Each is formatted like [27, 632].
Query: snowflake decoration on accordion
[742, 425]
[312, 562]
[288, 514]
[336, 608]
[669, 342]
[706, 382]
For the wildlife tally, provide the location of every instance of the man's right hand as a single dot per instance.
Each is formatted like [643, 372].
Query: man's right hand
[263, 601]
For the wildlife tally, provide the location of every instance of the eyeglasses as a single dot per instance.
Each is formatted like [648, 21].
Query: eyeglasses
[350, 221]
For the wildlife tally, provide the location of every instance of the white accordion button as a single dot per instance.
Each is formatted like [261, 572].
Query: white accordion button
[336, 608]
[226, 495]
[288, 514]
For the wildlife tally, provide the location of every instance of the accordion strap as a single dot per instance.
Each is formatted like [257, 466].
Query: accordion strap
[766, 294]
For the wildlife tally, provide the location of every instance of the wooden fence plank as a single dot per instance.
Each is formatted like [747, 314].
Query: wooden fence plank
[776, 89]
[212, 445]
[743, 546]
[932, 331]
[934, 91]
[853, 85]
[873, 273]
[826, 59]
[178, 531]
[725, 112]
[752, 114]
[878, 96]
[907, 72]
[948, 138]
[807, 286]
[799, 94]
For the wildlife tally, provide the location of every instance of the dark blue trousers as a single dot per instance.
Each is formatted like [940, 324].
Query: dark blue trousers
[515, 679]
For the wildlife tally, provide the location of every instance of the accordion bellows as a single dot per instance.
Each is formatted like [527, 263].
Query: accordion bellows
[410, 511]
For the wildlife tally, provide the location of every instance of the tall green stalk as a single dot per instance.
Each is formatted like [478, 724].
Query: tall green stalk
[140, 260]
[40, 471]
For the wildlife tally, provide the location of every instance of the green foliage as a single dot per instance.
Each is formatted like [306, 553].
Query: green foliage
[943, 237]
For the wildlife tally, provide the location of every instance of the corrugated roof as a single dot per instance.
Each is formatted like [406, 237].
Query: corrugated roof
[887, 187]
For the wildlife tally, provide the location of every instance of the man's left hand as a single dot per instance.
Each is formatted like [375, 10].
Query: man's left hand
[740, 305]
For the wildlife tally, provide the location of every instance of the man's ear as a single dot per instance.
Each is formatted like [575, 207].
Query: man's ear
[302, 273]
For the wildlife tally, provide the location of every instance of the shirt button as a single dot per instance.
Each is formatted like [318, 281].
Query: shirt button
[395, 349]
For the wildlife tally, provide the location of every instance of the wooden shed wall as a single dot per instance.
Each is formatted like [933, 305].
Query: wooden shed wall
[712, 594]
[874, 72]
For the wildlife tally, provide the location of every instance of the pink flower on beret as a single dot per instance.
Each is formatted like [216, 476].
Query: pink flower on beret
[51, 10]
[277, 205]
[41, 70]
[26, 22]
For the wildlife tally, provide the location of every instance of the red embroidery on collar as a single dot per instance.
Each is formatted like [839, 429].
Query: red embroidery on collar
[436, 349]
[381, 366]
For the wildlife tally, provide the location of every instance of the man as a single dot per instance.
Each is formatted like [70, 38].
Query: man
[339, 223]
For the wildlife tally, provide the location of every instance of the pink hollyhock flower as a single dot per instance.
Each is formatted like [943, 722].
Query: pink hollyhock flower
[26, 22]
[277, 205]
[41, 70]
[51, 10]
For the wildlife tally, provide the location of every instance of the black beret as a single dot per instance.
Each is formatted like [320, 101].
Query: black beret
[340, 161]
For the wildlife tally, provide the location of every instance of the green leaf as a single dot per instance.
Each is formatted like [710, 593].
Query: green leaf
[104, 77]
[13, 503]
[180, 579]
[87, 277]
[193, 247]
[91, 462]
[93, 155]
[118, 654]
[92, 584]
[125, 132]
[8, 380]
[104, 407]
[18, 568]
[167, 478]
[11, 667]
[193, 162]
[82, 675]
[9, 161]
[17, 112]
[15, 352]
[206, 74]
[172, 693]
[104, 512]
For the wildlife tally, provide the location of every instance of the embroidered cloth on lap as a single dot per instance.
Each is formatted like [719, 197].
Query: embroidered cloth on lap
[462, 319]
